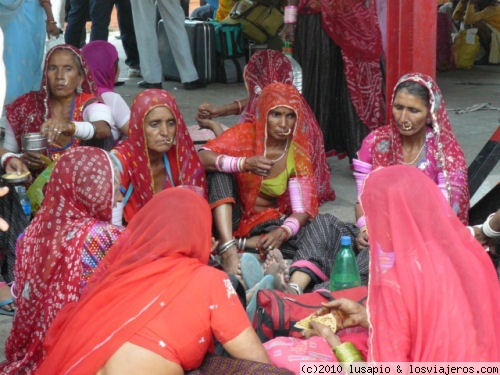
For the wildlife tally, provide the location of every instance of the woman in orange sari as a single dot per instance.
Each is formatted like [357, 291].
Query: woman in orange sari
[156, 305]
[275, 191]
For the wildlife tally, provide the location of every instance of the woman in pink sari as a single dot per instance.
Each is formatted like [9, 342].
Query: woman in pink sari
[418, 134]
[433, 294]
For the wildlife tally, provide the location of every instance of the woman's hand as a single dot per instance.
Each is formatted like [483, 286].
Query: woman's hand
[324, 331]
[207, 111]
[34, 160]
[351, 314]
[16, 165]
[4, 226]
[272, 240]
[288, 32]
[52, 129]
[259, 165]
[362, 239]
[52, 29]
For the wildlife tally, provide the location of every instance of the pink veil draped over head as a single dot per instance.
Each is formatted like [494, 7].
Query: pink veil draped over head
[433, 292]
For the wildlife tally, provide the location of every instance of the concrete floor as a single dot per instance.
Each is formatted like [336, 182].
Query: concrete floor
[462, 90]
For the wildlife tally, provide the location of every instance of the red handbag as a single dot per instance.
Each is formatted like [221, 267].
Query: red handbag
[277, 312]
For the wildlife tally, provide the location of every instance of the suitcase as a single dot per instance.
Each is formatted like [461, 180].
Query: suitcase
[201, 37]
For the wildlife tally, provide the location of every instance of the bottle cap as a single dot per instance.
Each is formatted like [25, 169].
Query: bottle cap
[345, 240]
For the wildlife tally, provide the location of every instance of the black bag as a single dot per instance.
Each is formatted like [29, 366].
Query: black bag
[231, 55]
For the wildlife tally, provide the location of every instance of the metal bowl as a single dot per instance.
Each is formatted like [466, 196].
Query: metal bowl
[34, 142]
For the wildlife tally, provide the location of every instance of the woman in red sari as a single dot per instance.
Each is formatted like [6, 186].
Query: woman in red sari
[66, 109]
[158, 153]
[433, 294]
[155, 304]
[59, 250]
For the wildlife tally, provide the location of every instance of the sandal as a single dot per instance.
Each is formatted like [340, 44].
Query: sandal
[3, 307]
[251, 270]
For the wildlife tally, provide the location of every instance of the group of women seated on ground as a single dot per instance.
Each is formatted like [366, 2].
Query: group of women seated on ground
[262, 190]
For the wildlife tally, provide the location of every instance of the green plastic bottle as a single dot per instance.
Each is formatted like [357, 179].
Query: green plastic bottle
[345, 272]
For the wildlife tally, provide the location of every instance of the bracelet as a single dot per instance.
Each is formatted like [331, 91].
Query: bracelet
[84, 130]
[293, 224]
[290, 15]
[487, 230]
[242, 243]
[361, 222]
[287, 231]
[239, 106]
[7, 156]
[230, 164]
[226, 246]
[347, 353]
[296, 196]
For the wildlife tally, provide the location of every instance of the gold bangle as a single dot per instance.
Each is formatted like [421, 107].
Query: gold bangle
[347, 353]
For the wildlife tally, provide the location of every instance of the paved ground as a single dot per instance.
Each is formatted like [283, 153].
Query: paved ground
[462, 90]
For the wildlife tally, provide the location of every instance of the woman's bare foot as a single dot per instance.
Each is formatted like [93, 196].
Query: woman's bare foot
[6, 295]
[276, 266]
[230, 262]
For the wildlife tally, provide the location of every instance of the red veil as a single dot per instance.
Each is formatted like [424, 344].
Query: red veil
[433, 292]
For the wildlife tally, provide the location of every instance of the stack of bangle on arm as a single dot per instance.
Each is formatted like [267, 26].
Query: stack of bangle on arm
[291, 226]
[226, 246]
[230, 164]
[7, 156]
[487, 230]
[347, 353]
[290, 15]
[82, 129]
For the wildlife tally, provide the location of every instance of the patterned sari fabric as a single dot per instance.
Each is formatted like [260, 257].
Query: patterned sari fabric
[249, 139]
[149, 253]
[134, 156]
[268, 66]
[27, 113]
[353, 26]
[433, 292]
[48, 270]
[443, 152]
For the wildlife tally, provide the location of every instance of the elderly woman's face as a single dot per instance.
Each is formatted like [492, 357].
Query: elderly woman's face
[280, 122]
[63, 74]
[160, 127]
[410, 112]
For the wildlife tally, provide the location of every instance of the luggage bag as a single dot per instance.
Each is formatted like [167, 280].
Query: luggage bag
[201, 37]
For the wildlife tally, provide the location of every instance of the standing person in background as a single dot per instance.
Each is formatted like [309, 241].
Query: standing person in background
[339, 46]
[485, 15]
[25, 24]
[144, 14]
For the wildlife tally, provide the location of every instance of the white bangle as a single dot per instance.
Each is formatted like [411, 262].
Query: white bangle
[84, 130]
[488, 232]
[8, 155]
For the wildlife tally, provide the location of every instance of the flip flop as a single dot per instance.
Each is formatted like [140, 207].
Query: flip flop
[3, 310]
[251, 270]
[267, 282]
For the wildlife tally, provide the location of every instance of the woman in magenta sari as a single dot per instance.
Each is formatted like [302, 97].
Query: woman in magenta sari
[433, 294]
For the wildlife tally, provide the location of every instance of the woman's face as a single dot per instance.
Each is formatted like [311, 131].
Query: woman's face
[160, 128]
[280, 122]
[63, 74]
[410, 112]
